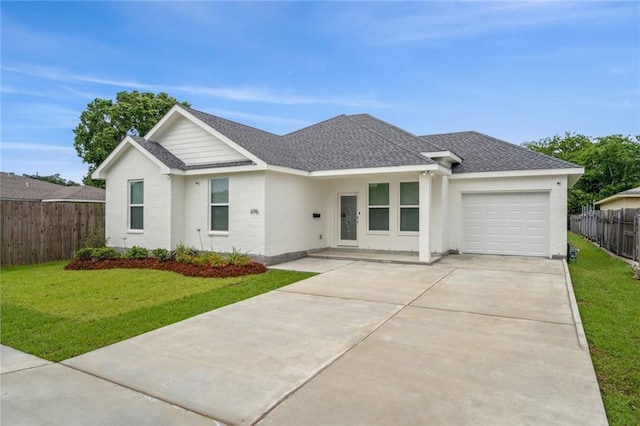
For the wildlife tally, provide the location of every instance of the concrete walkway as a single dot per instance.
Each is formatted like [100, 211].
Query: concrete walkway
[469, 340]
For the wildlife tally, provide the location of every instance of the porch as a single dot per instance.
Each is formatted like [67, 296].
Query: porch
[380, 256]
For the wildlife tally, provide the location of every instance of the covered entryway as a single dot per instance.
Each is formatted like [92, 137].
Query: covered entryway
[506, 223]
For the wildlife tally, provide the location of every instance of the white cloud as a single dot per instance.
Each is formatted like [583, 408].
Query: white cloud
[34, 146]
[381, 23]
[242, 94]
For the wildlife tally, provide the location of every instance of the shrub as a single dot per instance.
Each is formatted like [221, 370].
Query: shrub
[160, 253]
[84, 253]
[96, 239]
[199, 260]
[237, 258]
[104, 253]
[182, 249]
[184, 257]
[136, 252]
[216, 260]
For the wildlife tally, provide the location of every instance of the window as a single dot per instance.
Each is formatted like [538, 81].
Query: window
[378, 207]
[220, 204]
[136, 205]
[409, 207]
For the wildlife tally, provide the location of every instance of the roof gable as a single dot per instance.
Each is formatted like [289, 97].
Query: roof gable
[193, 145]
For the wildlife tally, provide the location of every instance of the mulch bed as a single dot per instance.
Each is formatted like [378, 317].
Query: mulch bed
[187, 269]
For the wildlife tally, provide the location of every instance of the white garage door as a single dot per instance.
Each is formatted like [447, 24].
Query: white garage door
[506, 223]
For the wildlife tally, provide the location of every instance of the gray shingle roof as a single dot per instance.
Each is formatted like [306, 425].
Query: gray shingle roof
[346, 143]
[482, 153]
[161, 153]
[14, 187]
[632, 191]
[267, 146]
[362, 141]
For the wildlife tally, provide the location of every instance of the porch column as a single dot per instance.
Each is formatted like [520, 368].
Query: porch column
[424, 244]
[444, 214]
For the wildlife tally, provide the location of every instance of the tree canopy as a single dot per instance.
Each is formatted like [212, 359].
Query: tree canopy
[56, 178]
[105, 123]
[611, 164]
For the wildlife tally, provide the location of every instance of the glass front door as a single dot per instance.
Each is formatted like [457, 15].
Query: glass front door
[348, 220]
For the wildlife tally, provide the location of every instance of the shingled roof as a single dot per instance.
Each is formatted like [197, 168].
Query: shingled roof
[482, 153]
[14, 187]
[361, 141]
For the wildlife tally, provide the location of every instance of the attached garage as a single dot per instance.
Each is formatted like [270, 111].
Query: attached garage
[509, 223]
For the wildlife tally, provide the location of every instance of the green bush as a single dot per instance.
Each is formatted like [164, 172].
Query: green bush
[136, 252]
[182, 249]
[238, 258]
[216, 260]
[84, 253]
[160, 253]
[184, 257]
[104, 253]
[96, 239]
[200, 260]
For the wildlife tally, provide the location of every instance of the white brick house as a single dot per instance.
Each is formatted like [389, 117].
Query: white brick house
[351, 181]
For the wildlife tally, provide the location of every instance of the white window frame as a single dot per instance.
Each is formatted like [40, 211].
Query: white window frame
[212, 204]
[407, 206]
[369, 207]
[131, 230]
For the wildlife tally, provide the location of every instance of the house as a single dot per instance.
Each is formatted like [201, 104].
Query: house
[629, 199]
[352, 181]
[21, 188]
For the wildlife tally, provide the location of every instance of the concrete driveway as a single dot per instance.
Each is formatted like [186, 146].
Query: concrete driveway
[469, 340]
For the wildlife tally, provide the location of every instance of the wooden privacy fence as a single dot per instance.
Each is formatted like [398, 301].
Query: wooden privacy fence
[36, 232]
[618, 231]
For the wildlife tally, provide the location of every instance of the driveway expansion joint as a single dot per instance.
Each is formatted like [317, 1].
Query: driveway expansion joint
[33, 367]
[330, 363]
[146, 395]
[281, 290]
[493, 315]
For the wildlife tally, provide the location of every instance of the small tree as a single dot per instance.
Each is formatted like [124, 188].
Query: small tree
[611, 164]
[104, 124]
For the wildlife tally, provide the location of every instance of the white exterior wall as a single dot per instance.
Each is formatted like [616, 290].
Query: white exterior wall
[290, 203]
[621, 203]
[157, 203]
[246, 230]
[194, 145]
[177, 210]
[556, 186]
[373, 240]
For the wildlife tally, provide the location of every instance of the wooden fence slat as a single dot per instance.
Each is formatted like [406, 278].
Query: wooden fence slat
[36, 232]
[618, 231]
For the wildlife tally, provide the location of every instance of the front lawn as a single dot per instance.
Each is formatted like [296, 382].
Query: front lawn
[609, 301]
[57, 314]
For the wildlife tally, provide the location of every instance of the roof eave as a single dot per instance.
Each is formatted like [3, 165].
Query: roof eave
[418, 168]
[100, 172]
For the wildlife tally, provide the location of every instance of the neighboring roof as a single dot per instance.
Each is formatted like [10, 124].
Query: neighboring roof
[629, 193]
[14, 187]
[356, 142]
[482, 153]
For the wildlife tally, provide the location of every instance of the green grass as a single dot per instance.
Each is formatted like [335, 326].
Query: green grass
[57, 314]
[609, 301]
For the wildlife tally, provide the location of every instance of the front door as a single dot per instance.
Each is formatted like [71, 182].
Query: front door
[348, 220]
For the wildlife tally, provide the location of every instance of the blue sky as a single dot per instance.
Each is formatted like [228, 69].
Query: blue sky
[518, 71]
